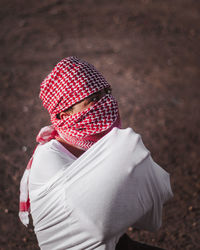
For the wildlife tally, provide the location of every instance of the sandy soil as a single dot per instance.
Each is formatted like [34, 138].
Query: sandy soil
[149, 52]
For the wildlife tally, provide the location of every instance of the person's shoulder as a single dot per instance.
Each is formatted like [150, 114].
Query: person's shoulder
[126, 142]
[52, 151]
[48, 159]
[124, 135]
[44, 149]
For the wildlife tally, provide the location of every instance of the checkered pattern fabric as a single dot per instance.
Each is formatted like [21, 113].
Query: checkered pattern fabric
[71, 81]
[83, 129]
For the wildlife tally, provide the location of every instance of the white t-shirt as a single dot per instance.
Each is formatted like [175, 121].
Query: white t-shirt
[88, 202]
[49, 158]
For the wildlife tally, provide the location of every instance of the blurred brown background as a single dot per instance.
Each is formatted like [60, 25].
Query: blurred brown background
[149, 52]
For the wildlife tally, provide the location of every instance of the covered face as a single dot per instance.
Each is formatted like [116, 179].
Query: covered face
[71, 81]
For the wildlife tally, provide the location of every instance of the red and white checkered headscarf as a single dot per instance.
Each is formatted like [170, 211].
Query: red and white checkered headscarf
[71, 81]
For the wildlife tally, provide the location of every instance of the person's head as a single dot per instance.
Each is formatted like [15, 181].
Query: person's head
[79, 101]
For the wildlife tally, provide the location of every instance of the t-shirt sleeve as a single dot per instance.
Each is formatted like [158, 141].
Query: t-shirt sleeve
[154, 192]
[46, 163]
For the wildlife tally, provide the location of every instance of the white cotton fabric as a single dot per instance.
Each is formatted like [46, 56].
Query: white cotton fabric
[49, 158]
[89, 202]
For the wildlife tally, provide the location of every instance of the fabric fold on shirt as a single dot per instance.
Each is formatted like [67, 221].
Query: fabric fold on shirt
[90, 203]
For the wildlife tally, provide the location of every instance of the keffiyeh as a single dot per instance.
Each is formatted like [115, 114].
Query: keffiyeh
[71, 81]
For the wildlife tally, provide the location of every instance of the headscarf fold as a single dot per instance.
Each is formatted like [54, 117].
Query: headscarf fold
[71, 81]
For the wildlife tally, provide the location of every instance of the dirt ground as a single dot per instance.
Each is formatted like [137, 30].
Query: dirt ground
[149, 52]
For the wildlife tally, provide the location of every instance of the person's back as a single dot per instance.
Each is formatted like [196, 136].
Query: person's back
[88, 179]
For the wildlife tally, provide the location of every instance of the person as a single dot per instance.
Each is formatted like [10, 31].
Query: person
[88, 180]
